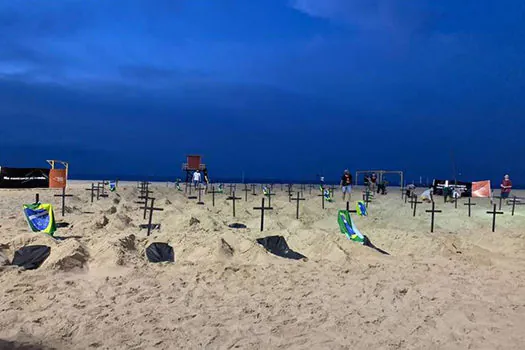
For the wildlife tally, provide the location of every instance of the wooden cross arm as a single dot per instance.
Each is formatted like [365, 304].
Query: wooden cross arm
[150, 208]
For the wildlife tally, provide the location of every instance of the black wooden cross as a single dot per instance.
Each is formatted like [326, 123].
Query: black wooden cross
[322, 198]
[403, 189]
[200, 189]
[500, 200]
[146, 197]
[414, 202]
[269, 195]
[311, 186]
[104, 183]
[63, 195]
[143, 186]
[100, 190]
[246, 190]
[514, 201]
[290, 187]
[262, 208]
[433, 211]
[456, 201]
[494, 213]
[297, 199]
[92, 189]
[366, 198]
[332, 189]
[470, 204]
[253, 189]
[37, 198]
[233, 199]
[303, 188]
[151, 208]
[189, 192]
[213, 194]
[232, 187]
[348, 208]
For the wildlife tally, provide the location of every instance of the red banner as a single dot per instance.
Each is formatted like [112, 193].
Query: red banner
[481, 189]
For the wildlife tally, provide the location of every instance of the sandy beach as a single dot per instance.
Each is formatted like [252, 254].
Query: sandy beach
[461, 287]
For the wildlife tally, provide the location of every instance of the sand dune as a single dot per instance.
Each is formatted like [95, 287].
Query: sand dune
[462, 287]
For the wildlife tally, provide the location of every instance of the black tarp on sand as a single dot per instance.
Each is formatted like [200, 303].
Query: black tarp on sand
[277, 245]
[31, 256]
[160, 252]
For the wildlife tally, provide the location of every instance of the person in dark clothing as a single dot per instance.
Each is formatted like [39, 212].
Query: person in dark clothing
[373, 182]
[206, 179]
[381, 188]
[346, 184]
[367, 182]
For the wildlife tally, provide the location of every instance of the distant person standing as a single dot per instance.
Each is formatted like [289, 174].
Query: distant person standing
[373, 182]
[346, 184]
[206, 179]
[197, 178]
[506, 187]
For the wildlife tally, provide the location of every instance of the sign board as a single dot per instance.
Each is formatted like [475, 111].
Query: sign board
[57, 178]
[24, 177]
[463, 188]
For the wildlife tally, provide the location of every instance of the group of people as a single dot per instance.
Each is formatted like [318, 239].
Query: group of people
[201, 178]
[372, 185]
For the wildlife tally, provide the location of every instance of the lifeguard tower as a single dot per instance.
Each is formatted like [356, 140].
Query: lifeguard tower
[193, 163]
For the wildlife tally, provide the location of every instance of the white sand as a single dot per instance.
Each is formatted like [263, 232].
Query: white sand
[462, 287]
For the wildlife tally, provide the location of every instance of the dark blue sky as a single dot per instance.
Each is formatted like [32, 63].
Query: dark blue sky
[277, 88]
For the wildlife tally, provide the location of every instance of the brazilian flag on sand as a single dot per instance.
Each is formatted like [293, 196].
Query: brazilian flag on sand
[40, 217]
[348, 228]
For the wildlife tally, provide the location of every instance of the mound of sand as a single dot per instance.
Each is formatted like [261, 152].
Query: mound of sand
[66, 256]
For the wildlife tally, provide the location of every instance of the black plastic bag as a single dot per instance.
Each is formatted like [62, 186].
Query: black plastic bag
[31, 257]
[277, 245]
[160, 252]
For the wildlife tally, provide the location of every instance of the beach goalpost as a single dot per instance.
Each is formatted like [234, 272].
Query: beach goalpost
[380, 175]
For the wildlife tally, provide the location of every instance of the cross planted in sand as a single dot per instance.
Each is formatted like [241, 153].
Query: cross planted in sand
[63, 195]
[297, 199]
[470, 204]
[151, 208]
[494, 212]
[262, 208]
[433, 211]
[233, 199]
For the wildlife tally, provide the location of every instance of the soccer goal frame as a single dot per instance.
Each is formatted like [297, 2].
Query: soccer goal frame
[380, 175]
